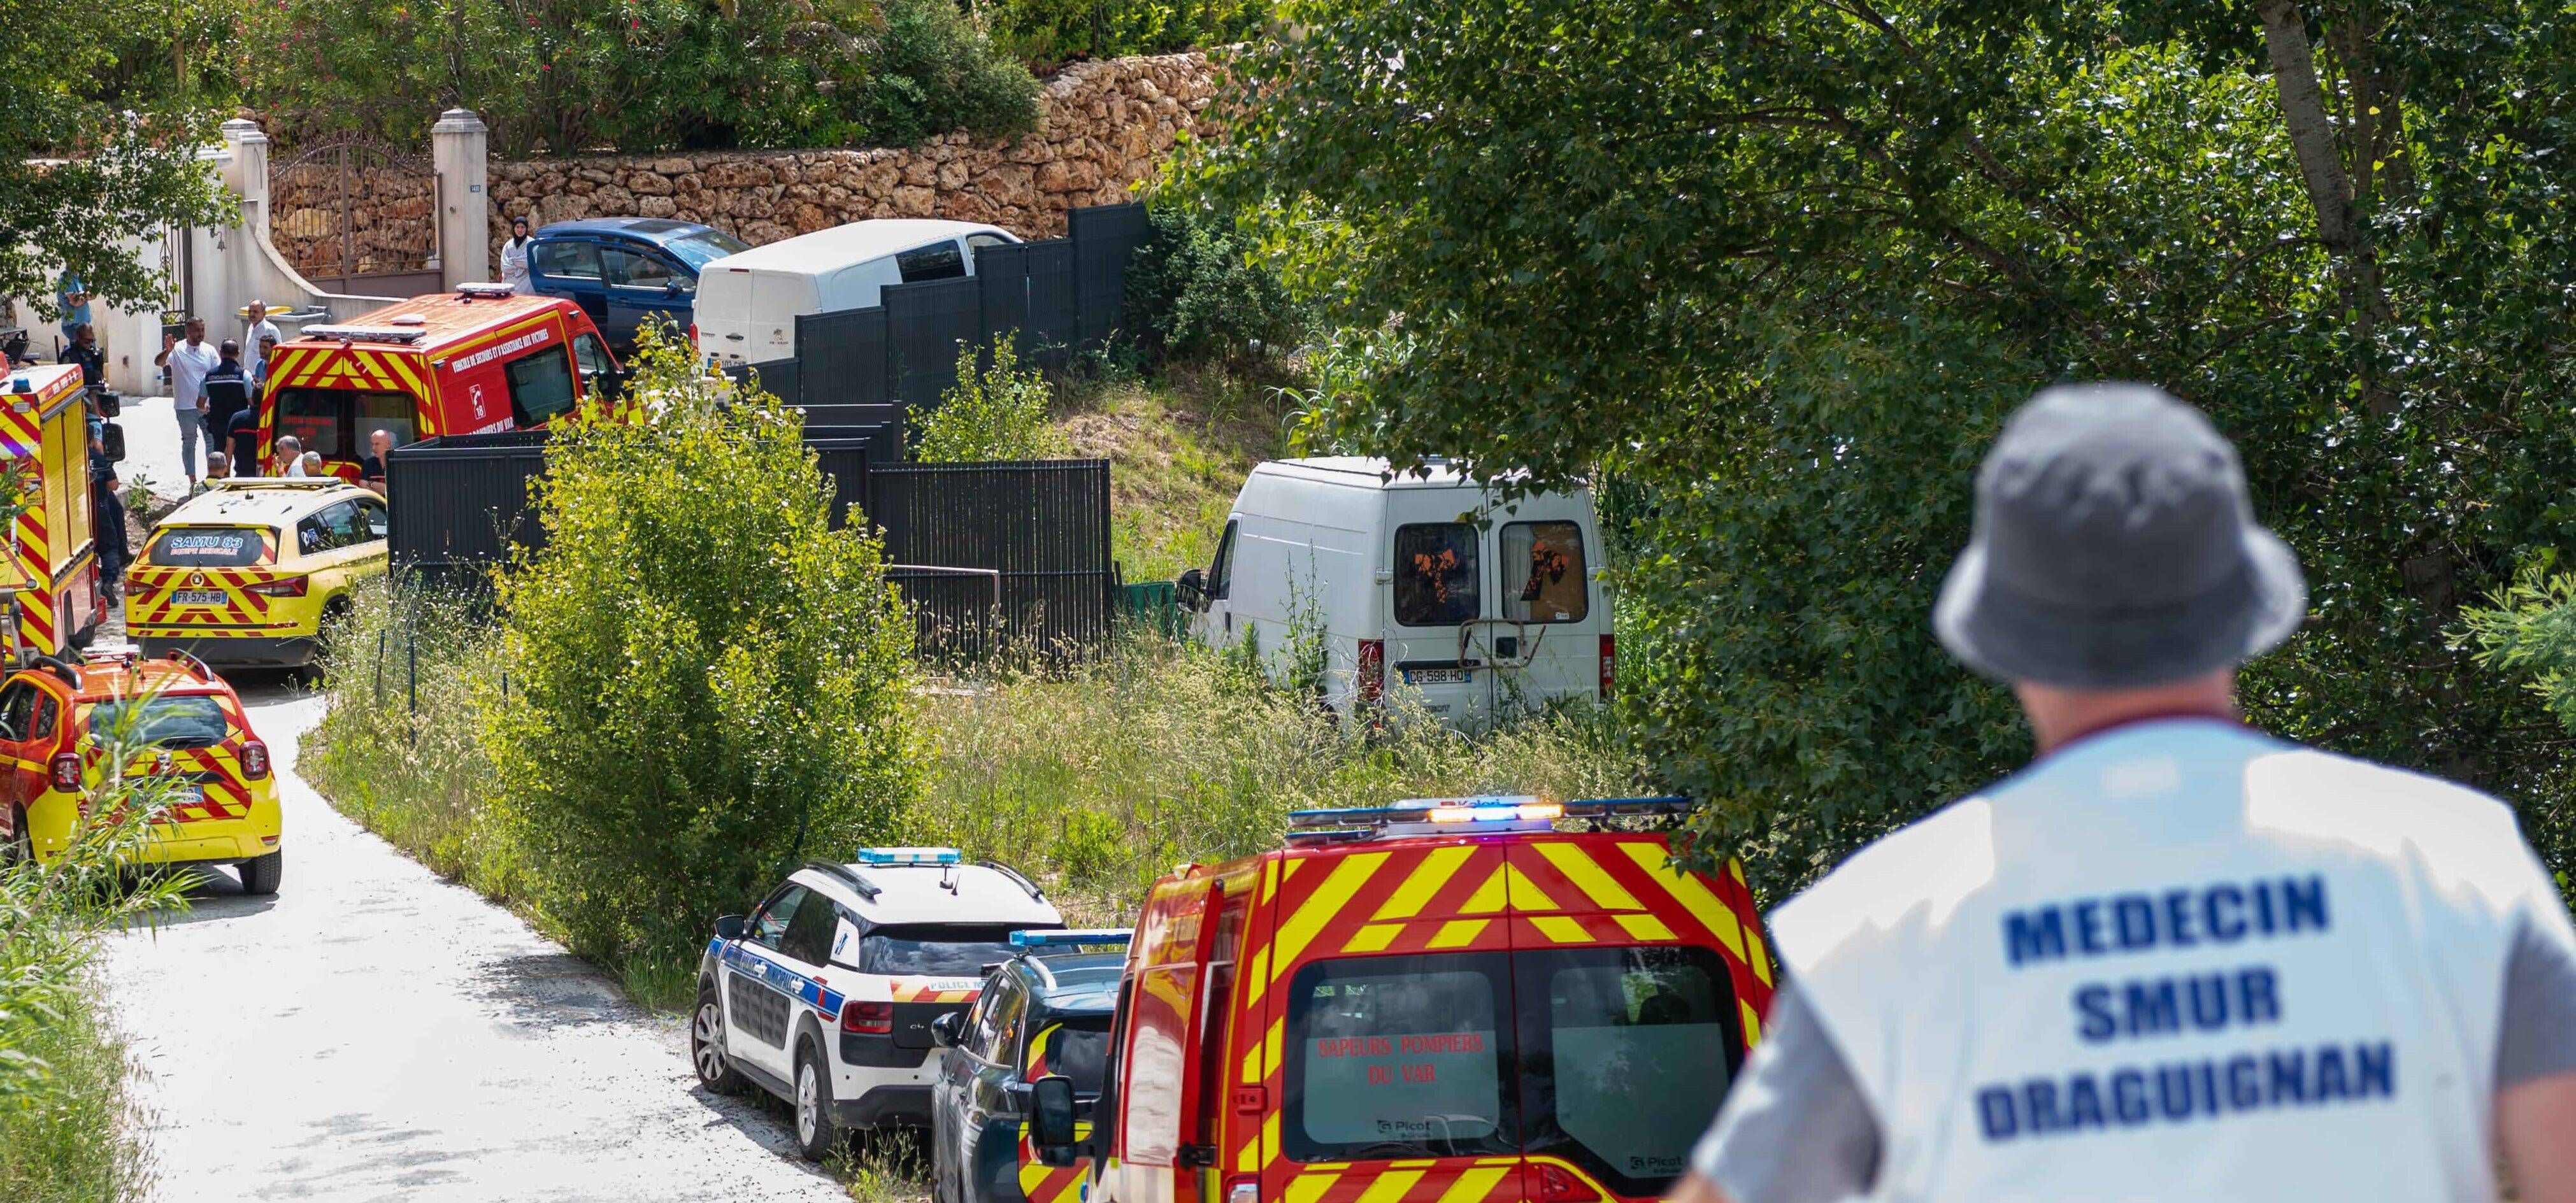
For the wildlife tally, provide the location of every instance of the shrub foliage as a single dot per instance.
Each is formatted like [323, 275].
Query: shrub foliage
[992, 413]
[1194, 291]
[706, 684]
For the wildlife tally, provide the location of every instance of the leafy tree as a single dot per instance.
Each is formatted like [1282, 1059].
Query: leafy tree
[1193, 291]
[707, 682]
[991, 413]
[99, 128]
[637, 75]
[1048, 33]
[1776, 269]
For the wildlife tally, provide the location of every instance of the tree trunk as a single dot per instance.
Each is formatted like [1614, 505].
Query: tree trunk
[2303, 111]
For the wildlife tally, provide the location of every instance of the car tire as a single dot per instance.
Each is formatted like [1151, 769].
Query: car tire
[21, 847]
[260, 874]
[816, 1135]
[706, 1045]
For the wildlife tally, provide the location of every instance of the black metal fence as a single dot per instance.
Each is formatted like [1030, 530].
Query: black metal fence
[1056, 298]
[983, 554]
[999, 552]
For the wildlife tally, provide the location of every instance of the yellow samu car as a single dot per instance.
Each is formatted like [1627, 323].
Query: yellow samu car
[249, 572]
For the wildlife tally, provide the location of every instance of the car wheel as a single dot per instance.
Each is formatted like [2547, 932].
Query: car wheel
[21, 847]
[260, 874]
[816, 1135]
[706, 1046]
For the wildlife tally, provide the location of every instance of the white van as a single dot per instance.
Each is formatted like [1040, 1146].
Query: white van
[748, 302]
[1429, 582]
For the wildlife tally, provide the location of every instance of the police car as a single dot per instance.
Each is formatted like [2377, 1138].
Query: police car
[1045, 1011]
[825, 995]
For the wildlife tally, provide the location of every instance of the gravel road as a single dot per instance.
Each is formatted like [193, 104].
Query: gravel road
[373, 1032]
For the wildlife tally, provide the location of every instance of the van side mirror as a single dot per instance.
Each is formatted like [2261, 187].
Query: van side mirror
[729, 927]
[1051, 1120]
[944, 1030]
[1193, 588]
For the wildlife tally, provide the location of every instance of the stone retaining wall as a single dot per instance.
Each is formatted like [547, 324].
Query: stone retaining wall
[1101, 127]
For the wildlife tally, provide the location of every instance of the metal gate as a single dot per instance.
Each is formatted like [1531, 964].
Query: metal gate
[355, 215]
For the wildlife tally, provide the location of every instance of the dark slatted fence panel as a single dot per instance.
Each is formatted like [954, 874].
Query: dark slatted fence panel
[780, 378]
[845, 357]
[926, 324]
[460, 502]
[1042, 526]
[1104, 239]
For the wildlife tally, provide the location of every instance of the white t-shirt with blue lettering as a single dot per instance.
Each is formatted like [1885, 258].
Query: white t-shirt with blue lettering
[2177, 960]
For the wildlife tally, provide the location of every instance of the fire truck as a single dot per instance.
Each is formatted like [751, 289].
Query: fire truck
[52, 575]
[1442, 1001]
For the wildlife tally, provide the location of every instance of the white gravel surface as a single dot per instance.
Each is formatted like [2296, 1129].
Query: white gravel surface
[374, 1032]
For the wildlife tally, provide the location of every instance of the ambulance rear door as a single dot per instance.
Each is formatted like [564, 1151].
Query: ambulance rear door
[1385, 1068]
[1172, 1065]
[1638, 991]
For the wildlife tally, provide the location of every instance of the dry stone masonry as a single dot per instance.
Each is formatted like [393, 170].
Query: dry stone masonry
[1101, 128]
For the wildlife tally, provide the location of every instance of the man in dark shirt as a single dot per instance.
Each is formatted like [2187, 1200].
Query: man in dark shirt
[242, 431]
[371, 466]
[227, 391]
[83, 350]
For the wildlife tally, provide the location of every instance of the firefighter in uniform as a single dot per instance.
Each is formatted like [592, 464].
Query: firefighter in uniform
[2174, 958]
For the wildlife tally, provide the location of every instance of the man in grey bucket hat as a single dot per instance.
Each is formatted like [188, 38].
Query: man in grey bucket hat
[2173, 958]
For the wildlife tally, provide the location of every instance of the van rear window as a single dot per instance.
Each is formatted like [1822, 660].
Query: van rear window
[1076, 1048]
[1543, 572]
[1625, 1054]
[1435, 574]
[935, 950]
[335, 421]
[206, 547]
[1397, 1057]
[938, 261]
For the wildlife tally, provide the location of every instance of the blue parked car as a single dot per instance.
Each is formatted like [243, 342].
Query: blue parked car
[624, 270]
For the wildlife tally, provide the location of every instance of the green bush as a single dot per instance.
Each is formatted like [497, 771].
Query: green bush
[707, 684]
[1195, 292]
[1049, 33]
[995, 413]
[634, 75]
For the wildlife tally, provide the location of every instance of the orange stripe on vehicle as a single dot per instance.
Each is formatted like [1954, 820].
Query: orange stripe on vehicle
[1752, 1023]
[403, 368]
[1270, 1045]
[1646, 927]
[1459, 931]
[1489, 898]
[1433, 872]
[1330, 896]
[1390, 1186]
[1307, 1188]
[1524, 893]
[1373, 937]
[1687, 890]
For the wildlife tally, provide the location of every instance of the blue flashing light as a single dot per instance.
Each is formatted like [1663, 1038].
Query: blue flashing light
[1072, 937]
[1469, 812]
[908, 856]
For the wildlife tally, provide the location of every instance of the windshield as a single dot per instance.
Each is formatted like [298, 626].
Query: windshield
[1398, 1057]
[699, 250]
[165, 721]
[207, 547]
[934, 950]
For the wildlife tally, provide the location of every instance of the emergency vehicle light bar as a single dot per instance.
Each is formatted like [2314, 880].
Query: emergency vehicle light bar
[489, 290]
[371, 334]
[1068, 938]
[909, 856]
[1356, 822]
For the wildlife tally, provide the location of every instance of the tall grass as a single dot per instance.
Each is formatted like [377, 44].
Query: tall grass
[1105, 776]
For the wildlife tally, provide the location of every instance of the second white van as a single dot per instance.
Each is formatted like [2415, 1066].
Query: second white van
[1432, 583]
[748, 302]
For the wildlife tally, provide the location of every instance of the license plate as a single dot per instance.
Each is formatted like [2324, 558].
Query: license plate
[199, 597]
[1435, 676]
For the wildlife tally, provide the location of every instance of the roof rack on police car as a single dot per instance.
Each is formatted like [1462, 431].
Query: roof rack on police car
[371, 334]
[1467, 816]
[848, 876]
[1035, 895]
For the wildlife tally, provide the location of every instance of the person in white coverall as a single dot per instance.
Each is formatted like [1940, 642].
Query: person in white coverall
[2175, 958]
[514, 257]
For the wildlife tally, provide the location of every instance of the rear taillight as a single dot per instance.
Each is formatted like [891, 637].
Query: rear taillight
[1609, 666]
[693, 336]
[65, 771]
[1372, 682]
[254, 760]
[292, 586]
[867, 1018]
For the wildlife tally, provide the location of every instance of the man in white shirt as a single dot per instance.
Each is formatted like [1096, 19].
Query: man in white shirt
[188, 363]
[2174, 958]
[258, 335]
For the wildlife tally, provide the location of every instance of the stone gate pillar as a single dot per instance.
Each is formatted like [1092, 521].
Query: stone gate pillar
[458, 148]
[247, 173]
